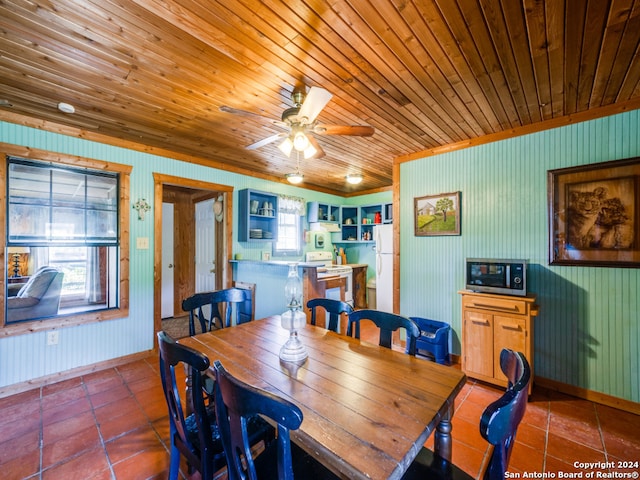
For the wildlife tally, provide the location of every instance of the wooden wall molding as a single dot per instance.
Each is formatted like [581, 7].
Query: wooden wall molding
[578, 392]
[586, 394]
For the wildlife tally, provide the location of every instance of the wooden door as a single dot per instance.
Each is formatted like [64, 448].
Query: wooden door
[167, 290]
[478, 343]
[509, 332]
[205, 247]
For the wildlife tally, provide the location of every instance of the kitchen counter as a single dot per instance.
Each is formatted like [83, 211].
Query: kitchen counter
[276, 263]
[300, 263]
[270, 277]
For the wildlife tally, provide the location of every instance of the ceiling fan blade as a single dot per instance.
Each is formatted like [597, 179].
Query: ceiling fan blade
[355, 130]
[315, 101]
[265, 141]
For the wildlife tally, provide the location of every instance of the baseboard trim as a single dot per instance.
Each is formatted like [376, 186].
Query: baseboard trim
[586, 394]
[73, 373]
[597, 397]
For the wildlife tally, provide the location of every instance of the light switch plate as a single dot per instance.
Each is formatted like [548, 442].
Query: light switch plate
[142, 243]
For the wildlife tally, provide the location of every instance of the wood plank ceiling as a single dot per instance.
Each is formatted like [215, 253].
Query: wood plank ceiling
[424, 73]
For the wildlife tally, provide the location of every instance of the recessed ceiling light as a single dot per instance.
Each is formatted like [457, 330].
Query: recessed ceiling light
[66, 107]
[354, 178]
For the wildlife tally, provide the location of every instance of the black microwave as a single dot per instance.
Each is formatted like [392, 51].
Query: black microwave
[502, 276]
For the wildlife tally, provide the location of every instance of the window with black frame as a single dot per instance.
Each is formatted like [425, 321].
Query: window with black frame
[62, 240]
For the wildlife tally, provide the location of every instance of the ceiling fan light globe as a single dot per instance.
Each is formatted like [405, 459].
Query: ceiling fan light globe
[300, 141]
[354, 179]
[286, 146]
[309, 152]
[294, 178]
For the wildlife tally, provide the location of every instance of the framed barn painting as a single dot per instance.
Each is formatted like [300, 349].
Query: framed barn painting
[437, 214]
[594, 214]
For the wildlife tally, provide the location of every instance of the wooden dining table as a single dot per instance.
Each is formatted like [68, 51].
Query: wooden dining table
[367, 409]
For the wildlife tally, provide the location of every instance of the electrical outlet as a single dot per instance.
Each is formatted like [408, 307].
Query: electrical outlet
[52, 337]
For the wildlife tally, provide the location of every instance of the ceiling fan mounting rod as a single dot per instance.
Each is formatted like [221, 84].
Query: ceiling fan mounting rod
[298, 97]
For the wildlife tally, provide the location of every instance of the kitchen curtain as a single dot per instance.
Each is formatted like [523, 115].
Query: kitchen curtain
[289, 204]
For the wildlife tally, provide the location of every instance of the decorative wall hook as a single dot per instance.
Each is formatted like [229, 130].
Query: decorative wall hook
[142, 207]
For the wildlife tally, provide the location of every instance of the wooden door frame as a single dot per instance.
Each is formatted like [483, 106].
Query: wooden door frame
[159, 181]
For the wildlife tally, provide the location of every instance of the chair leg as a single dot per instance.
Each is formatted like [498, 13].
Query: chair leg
[174, 466]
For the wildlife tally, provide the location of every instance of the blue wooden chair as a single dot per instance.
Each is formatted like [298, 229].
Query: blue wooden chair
[205, 307]
[196, 436]
[498, 426]
[193, 436]
[333, 307]
[235, 402]
[387, 323]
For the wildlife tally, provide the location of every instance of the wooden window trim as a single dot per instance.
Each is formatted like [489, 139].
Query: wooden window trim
[122, 311]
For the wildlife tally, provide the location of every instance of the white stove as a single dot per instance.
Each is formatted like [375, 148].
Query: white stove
[325, 269]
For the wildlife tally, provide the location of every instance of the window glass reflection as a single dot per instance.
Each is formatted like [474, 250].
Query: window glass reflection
[49, 281]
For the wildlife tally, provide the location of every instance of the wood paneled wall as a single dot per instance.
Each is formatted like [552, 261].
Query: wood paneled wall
[588, 332]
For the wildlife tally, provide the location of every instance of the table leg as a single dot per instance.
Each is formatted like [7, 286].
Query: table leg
[442, 441]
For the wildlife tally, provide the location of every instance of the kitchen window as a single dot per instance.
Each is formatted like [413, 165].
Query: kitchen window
[288, 234]
[290, 212]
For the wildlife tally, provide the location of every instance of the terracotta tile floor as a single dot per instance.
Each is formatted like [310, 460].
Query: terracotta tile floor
[113, 425]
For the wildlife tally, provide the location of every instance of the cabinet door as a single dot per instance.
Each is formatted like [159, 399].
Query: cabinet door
[478, 343]
[359, 287]
[509, 332]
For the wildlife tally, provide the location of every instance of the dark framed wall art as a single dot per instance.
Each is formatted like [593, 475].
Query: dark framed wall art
[594, 214]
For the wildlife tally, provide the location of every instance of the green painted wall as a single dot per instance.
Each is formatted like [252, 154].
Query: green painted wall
[27, 357]
[587, 333]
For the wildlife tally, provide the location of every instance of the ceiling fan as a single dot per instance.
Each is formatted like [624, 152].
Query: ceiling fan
[300, 122]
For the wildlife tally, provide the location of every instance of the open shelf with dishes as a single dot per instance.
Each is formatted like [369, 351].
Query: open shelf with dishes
[258, 219]
[323, 212]
[357, 222]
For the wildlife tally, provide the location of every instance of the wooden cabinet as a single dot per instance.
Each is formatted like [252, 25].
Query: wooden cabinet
[359, 286]
[489, 324]
[257, 216]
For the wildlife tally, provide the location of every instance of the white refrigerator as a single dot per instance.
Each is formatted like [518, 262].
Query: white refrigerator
[383, 236]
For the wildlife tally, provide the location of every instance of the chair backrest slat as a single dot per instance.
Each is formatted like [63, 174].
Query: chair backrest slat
[206, 308]
[333, 307]
[387, 323]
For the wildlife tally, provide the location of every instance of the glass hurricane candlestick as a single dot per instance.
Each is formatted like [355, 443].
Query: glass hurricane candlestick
[293, 319]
